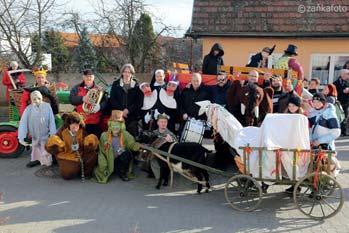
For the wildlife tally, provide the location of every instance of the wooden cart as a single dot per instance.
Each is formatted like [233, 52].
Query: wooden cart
[320, 195]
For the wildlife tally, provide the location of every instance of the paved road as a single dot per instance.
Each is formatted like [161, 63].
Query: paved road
[38, 204]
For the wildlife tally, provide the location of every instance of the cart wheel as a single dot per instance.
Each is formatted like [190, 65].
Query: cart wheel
[9, 145]
[243, 193]
[321, 200]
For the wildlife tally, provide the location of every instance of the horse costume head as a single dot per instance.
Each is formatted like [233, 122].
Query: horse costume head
[249, 103]
[251, 96]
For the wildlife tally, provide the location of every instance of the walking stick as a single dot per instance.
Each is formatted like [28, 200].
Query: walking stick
[82, 167]
[75, 147]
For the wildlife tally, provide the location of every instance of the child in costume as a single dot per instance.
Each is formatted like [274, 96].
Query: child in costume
[38, 122]
[75, 151]
[115, 145]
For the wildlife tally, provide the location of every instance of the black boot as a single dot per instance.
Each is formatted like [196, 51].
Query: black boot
[123, 177]
[33, 163]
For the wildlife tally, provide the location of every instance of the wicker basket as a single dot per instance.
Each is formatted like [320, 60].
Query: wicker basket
[16, 96]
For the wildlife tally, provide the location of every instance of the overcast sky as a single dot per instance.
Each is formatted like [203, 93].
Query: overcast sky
[176, 13]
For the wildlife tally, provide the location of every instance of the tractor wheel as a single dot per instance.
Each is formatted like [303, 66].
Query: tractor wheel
[9, 144]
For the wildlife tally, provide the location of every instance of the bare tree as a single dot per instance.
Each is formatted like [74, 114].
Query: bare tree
[20, 21]
[40, 9]
[117, 19]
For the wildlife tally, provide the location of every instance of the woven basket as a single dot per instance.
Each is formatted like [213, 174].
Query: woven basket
[16, 96]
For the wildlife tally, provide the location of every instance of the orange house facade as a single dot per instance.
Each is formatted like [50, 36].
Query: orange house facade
[244, 28]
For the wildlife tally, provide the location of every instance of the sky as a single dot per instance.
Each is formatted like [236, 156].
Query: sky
[176, 13]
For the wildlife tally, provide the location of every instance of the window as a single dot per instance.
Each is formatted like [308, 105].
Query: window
[274, 58]
[326, 67]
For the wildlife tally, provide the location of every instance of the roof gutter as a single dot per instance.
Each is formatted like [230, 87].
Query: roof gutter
[196, 35]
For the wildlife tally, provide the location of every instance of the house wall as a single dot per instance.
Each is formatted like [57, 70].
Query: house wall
[237, 50]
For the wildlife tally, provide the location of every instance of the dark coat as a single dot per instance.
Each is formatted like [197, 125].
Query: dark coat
[340, 84]
[276, 97]
[255, 60]
[190, 96]
[211, 62]
[131, 100]
[219, 94]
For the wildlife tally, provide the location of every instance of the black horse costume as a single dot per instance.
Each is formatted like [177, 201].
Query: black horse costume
[187, 150]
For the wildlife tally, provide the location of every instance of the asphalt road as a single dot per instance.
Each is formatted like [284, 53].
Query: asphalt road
[37, 203]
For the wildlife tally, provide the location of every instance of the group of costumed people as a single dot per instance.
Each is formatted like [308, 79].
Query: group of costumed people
[99, 135]
[103, 137]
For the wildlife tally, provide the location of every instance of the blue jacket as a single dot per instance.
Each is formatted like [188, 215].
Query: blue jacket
[325, 126]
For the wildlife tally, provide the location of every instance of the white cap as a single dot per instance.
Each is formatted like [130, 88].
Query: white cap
[35, 94]
[160, 71]
[173, 81]
[142, 84]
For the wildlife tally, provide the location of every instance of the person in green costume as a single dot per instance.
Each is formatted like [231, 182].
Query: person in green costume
[115, 149]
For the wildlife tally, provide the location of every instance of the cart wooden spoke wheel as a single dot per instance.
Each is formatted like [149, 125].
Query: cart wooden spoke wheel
[319, 199]
[243, 193]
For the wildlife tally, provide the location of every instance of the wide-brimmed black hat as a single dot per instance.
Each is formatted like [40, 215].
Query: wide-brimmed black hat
[292, 49]
[269, 50]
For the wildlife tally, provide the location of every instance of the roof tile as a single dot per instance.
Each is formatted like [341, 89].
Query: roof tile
[272, 16]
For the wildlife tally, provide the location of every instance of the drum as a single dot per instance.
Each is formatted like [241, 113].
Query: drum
[193, 131]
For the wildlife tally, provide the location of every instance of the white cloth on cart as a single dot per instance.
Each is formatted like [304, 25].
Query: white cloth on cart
[277, 131]
[289, 131]
[285, 131]
[251, 136]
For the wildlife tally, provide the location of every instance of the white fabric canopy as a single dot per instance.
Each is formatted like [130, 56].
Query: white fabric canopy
[286, 131]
